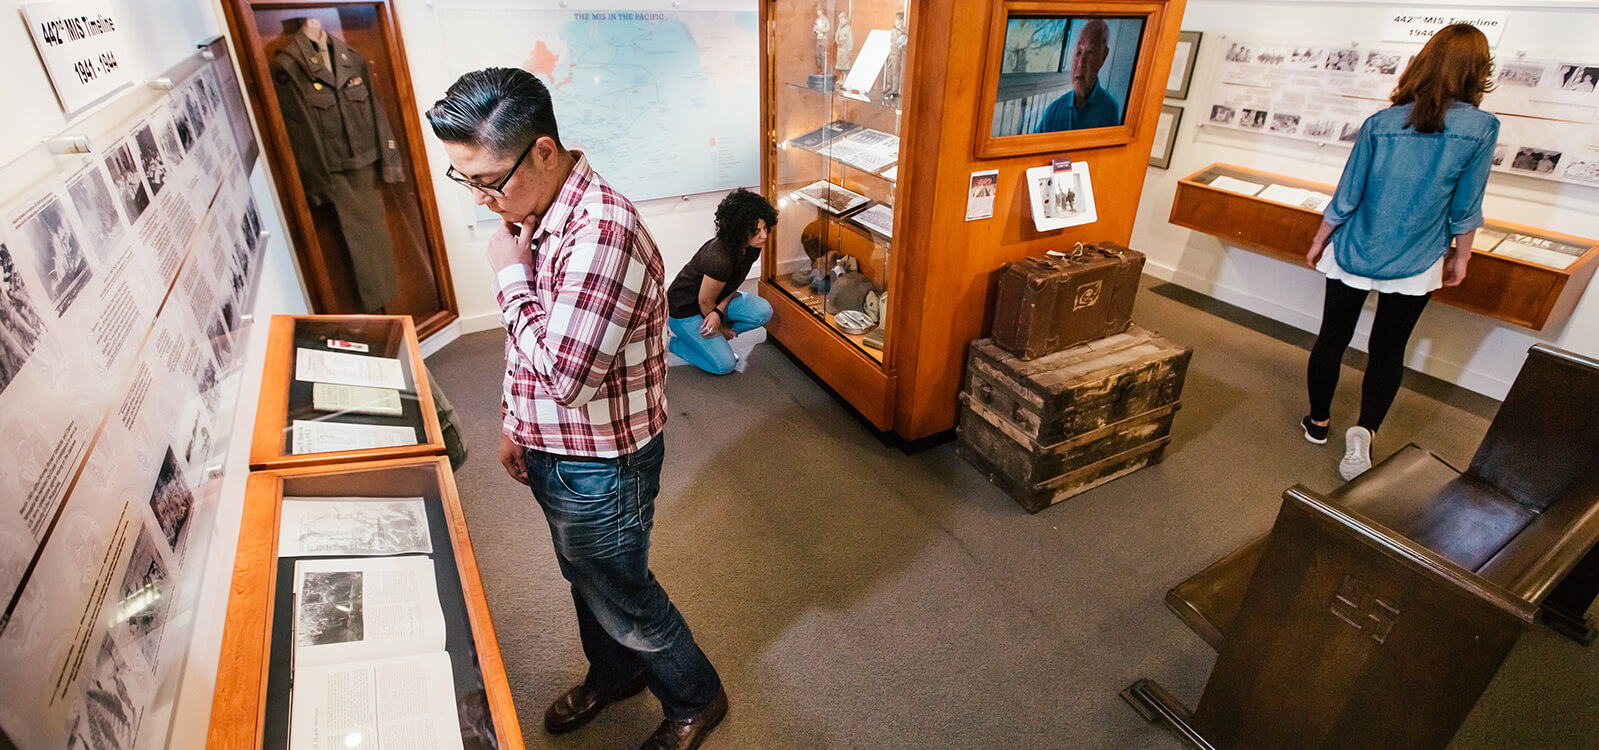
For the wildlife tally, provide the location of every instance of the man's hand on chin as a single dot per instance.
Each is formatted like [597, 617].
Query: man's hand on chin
[511, 245]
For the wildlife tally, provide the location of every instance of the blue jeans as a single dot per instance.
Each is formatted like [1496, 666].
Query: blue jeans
[600, 512]
[714, 355]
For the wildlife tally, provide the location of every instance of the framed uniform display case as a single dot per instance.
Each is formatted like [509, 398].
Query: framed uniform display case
[332, 95]
[897, 156]
[343, 387]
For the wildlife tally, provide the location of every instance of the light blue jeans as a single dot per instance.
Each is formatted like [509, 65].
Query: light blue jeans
[714, 355]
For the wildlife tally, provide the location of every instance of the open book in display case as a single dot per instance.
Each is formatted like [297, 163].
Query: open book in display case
[266, 635]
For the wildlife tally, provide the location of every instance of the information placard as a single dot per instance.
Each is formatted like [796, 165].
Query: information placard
[82, 45]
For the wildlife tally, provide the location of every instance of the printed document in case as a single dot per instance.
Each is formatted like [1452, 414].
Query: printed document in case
[406, 702]
[1233, 184]
[313, 366]
[363, 608]
[356, 398]
[353, 526]
[326, 437]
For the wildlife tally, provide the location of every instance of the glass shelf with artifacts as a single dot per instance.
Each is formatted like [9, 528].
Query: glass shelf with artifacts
[835, 72]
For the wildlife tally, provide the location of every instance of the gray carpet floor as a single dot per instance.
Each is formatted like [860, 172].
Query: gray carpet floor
[853, 596]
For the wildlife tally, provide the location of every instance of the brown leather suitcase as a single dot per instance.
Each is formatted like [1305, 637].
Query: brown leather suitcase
[1045, 304]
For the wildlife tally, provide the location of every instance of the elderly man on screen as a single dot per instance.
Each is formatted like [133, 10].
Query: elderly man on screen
[1087, 105]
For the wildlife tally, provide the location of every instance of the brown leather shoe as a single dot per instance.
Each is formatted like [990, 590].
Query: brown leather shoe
[687, 735]
[580, 705]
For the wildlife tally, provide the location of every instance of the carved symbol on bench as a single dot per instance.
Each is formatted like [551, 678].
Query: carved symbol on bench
[1359, 607]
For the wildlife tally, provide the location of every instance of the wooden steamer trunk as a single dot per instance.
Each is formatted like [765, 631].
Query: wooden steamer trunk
[1049, 303]
[1049, 428]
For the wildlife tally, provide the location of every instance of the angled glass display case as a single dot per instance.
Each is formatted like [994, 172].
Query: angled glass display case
[835, 78]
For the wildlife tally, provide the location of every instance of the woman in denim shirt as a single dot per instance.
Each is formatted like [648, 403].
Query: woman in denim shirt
[1401, 223]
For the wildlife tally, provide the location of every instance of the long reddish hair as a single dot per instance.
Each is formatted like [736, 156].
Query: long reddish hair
[1455, 65]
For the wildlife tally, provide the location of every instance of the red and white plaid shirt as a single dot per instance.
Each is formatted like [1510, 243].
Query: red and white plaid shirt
[585, 356]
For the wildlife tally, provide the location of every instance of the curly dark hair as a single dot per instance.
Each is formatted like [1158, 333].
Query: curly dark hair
[739, 214]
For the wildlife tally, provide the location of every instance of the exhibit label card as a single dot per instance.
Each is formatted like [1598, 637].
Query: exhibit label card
[328, 437]
[313, 366]
[360, 608]
[355, 398]
[1419, 24]
[980, 194]
[82, 45]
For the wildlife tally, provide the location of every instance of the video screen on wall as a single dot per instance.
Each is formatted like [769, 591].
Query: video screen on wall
[1065, 73]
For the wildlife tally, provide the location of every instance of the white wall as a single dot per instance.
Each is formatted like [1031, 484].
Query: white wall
[679, 225]
[1471, 350]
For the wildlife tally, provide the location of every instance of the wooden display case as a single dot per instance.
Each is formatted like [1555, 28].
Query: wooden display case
[937, 268]
[418, 272]
[1513, 288]
[251, 704]
[286, 400]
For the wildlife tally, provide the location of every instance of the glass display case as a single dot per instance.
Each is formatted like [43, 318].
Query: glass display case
[835, 78]
[337, 387]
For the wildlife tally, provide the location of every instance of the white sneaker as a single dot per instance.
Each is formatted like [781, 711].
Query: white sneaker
[1357, 453]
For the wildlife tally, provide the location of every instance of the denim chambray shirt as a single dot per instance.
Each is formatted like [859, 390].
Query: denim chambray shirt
[1404, 194]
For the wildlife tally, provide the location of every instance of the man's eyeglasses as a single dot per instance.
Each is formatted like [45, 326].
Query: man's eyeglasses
[497, 188]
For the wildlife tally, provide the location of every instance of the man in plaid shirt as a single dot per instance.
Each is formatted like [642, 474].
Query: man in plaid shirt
[581, 292]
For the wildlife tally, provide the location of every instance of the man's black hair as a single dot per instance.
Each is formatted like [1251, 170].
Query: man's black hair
[738, 215]
[501, 109]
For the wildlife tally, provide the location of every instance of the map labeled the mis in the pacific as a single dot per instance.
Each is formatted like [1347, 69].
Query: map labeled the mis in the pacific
[663, 104]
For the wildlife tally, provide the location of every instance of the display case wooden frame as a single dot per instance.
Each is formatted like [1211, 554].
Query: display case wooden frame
[320, 269]
[1509, 289]
[1149, 45]
[943, 267]
[240, 704]
[277, 378]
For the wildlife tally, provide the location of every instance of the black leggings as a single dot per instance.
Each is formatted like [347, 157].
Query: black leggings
[1385, 364]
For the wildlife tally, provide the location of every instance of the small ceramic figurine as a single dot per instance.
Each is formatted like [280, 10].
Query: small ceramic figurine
[894, 67]
[845, 37]
[821, 28]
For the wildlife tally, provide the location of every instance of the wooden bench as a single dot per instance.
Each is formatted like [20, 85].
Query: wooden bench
[1376, 616]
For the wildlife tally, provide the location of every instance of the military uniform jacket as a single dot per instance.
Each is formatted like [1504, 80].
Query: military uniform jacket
[332, 115]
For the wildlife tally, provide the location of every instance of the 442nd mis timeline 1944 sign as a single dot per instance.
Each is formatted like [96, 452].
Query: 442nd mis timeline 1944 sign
[83, 48]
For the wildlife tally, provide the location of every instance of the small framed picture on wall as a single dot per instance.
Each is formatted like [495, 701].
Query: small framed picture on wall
[1182, 65]
[1165, 135]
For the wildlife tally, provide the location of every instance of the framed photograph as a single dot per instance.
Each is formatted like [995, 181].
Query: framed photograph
[1066, 75]
[1182, 65]
[1061, 199]
[1165, 135]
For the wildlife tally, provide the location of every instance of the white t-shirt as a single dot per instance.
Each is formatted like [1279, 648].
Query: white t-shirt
[1429, 280]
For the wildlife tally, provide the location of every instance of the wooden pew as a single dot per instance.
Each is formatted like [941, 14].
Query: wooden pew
[1376, 616]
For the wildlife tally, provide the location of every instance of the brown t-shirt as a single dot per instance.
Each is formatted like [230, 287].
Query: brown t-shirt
[714, 261]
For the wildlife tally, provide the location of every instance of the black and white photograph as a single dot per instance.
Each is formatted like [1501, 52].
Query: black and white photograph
[1284, 123]
[1382, 63]
[129, 185]
[172, 501]
[20, 324]
[1271, 56]
[1342, 59]
[331, 607]
[198, 443]
[250, 224]
[1222, 114]
[241, 258]
[1541, 161]
[1350, 132]
[97, 211]
[1579, 78]
[1240, 53]
[107, 717]
[1582, 171]
[150, 160]
[830, 197]
[1526, 75]
[169, 140]
[144, 596]
[221, 341]
[1306, 57]
[1252, 118]
[57, 254]
[180, 120]
[191, 103]
[1320, 129]
[1500, 149]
